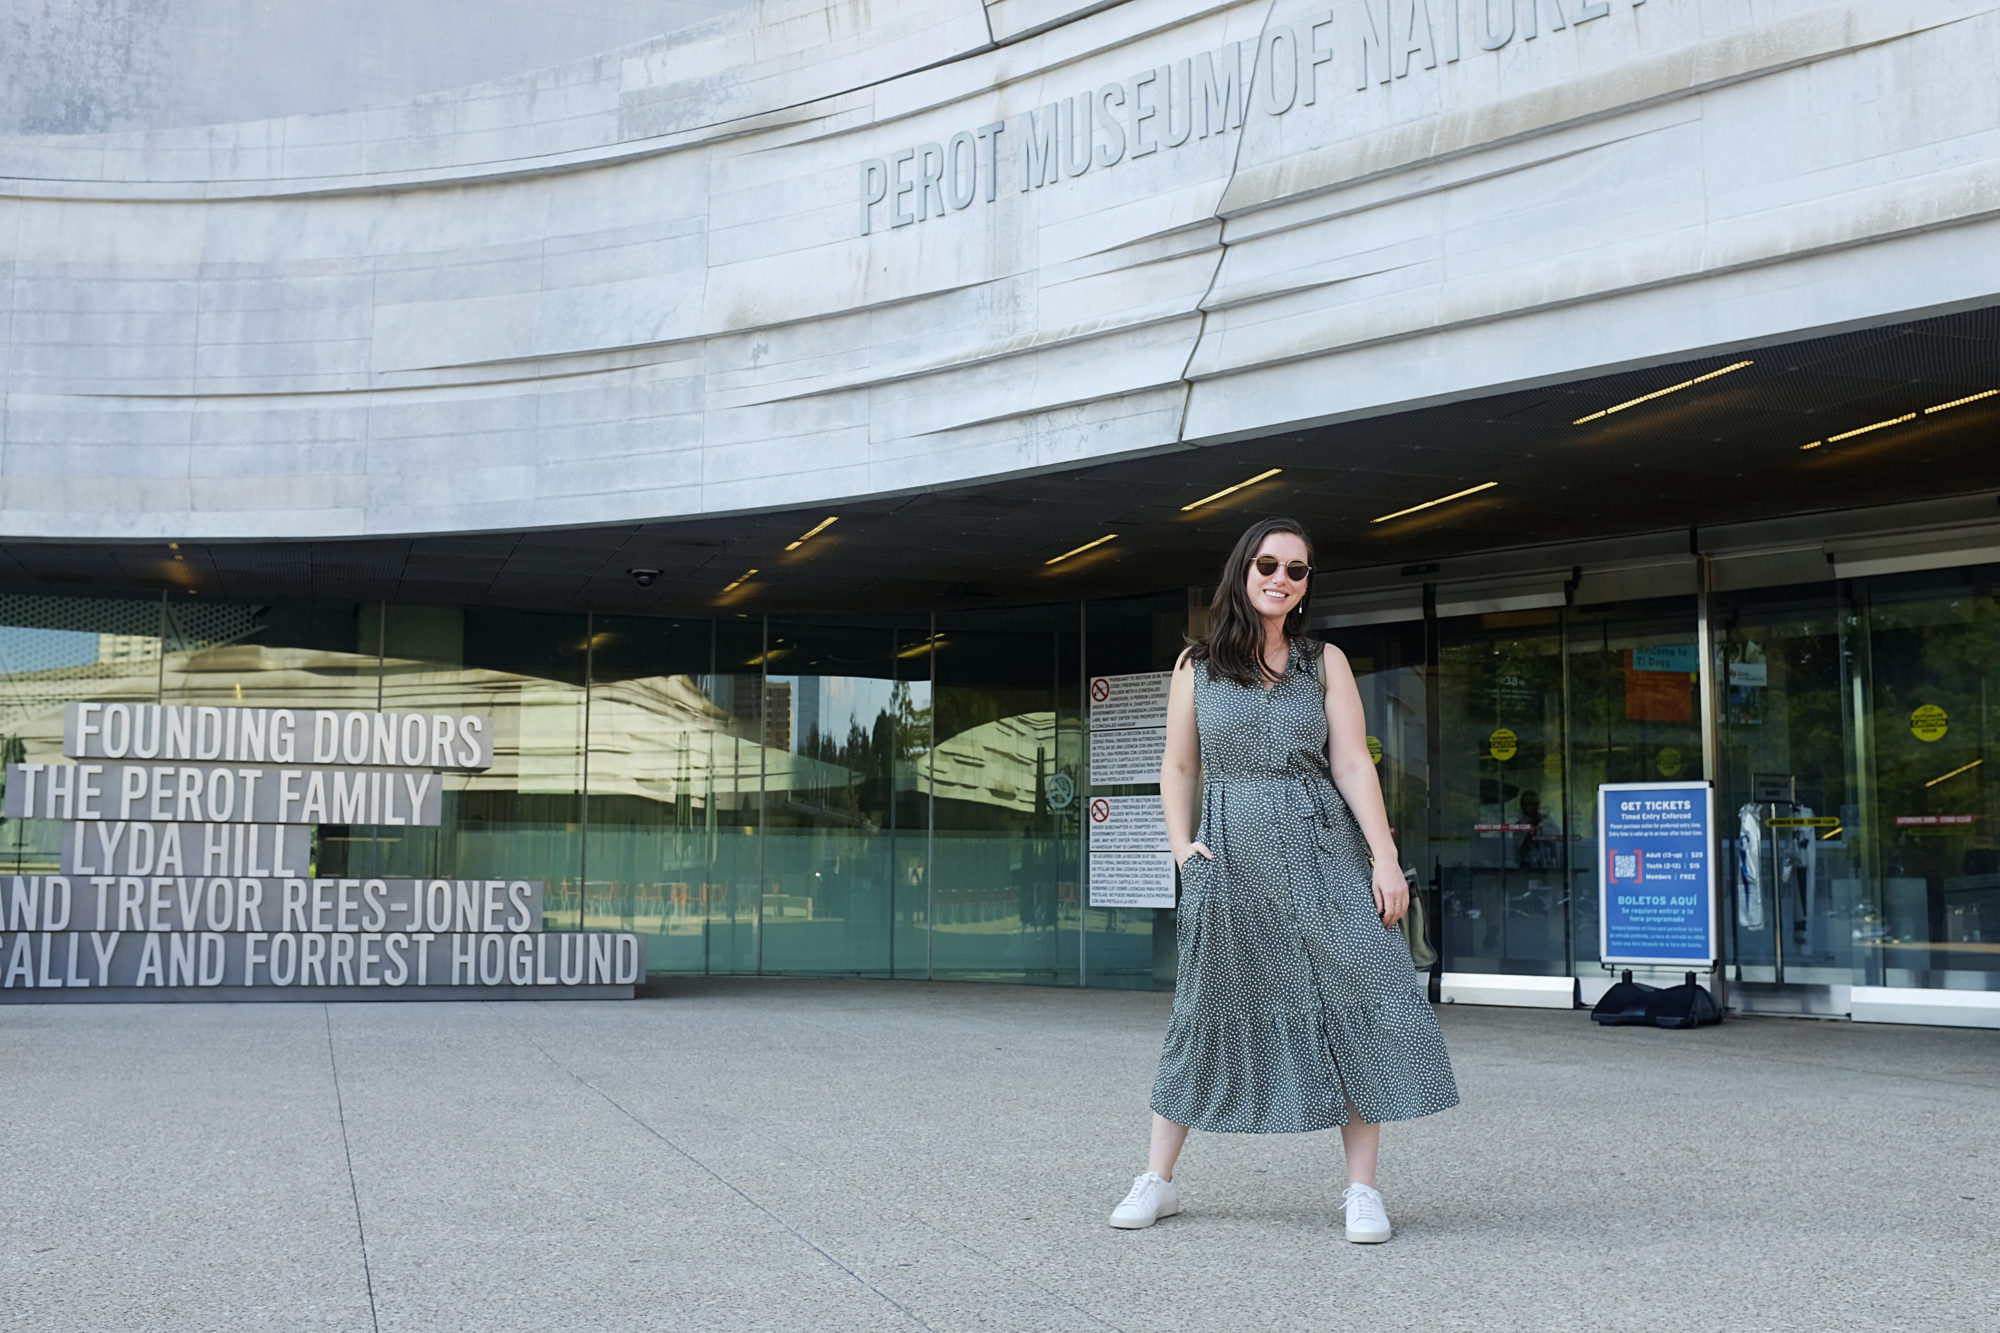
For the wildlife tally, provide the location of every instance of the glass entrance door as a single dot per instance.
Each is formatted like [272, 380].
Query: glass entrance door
[1501, 850]
[1925, 685]
[1634, 716]
[1790, 831]
[1389, 667]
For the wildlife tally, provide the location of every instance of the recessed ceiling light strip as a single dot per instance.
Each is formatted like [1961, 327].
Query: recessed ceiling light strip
[738, 581]
[1231, 490]
[1442, 499]
[1661, 393]
[1961, 402]
[1848, 435]
[1081, 549]
[815, 531]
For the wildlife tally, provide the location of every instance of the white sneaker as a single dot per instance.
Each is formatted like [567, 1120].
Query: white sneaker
[1151, 1199]
[1367, 1221]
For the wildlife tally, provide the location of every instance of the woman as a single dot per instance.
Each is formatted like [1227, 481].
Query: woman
[1296, 1006]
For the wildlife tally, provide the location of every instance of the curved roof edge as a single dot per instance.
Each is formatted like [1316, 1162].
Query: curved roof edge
[736, 73]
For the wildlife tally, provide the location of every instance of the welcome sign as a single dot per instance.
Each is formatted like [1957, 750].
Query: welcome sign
[184, 869]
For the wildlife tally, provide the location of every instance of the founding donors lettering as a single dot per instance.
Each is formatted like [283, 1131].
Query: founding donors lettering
[187, 866]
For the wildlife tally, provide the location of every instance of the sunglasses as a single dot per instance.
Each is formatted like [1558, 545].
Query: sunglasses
[1296, 570]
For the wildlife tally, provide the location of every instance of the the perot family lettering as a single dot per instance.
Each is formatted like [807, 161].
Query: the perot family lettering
[1290, 65]
[197, 872]
[218, 794]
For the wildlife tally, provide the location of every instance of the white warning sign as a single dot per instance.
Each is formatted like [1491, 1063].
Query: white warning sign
[1126, 756]
[1131, 879]
[1128, 824]
[1121, 703]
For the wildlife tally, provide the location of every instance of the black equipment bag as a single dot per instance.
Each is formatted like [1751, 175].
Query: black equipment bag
[1634, 1003]
[1685, 1006]
[1627, 1003]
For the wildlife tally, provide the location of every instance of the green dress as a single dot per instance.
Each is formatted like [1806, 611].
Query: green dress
[1290, 989]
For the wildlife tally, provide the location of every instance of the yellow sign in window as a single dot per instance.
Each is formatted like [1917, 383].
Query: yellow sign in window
[1929, 723]
[1503, 745]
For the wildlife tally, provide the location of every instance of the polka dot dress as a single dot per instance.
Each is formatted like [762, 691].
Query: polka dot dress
[1289, 987]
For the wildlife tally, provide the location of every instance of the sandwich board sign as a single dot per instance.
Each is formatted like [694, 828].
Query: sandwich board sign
[1656, 874]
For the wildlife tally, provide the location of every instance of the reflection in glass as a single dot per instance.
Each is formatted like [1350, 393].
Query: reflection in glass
[1388, 666]
[1004, 856]
[1634, 691]
[53, 651]
[279, 654]
[1927, 657]
[660, 746]
[1789, 835]
[737, 760]
[836, 722]
[1502, 850]
[522, 818]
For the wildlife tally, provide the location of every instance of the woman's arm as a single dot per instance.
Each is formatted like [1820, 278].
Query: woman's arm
[1180, 766]
[1354, 775]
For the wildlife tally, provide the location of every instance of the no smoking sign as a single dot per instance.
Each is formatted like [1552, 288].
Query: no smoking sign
[1127, 824]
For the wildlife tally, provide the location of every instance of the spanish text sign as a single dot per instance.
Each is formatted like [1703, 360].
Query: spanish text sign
[1656, 873]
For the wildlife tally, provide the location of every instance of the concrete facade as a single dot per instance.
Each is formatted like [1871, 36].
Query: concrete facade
[90, 66]
[639, 285]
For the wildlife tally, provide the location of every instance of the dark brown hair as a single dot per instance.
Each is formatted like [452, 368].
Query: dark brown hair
[1233, 646]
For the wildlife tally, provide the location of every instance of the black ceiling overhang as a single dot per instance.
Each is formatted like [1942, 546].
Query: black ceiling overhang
[1729, 449]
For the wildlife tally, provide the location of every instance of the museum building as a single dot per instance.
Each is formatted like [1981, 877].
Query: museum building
[776, 426]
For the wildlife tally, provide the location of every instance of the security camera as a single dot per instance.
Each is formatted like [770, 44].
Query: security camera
[643, 577]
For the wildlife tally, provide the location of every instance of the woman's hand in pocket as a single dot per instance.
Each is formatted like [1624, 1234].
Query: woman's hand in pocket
[1194, 849]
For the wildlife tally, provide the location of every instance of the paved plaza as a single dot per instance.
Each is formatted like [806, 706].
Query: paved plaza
[738, 1155]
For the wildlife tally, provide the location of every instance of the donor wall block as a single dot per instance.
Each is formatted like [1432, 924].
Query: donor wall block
[223, 794]
[280, 965]
[200, 732]
[227, 903]
[149, 847]
[187, 869]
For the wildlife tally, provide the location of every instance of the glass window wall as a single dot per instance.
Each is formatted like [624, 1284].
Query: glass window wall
[1390, 668]
[1789, 832]
[903, 797]
[1924, 653]
[1633, 672]
[1502, 847]
[1005, 854]
[54, 649]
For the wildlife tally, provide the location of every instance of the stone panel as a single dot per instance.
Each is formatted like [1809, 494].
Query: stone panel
[498, 307]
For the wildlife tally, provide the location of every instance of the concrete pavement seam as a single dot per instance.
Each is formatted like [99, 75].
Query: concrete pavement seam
[726, 1183]
[808, 1020]
[353, 1189]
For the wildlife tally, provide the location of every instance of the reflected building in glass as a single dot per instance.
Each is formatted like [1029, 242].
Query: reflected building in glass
[776, 438]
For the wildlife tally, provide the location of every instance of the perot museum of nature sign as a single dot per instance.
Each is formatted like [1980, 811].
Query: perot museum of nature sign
[1291, 65]
[185, 867]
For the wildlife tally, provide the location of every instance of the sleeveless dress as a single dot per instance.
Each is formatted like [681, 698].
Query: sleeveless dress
[1289, 988]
